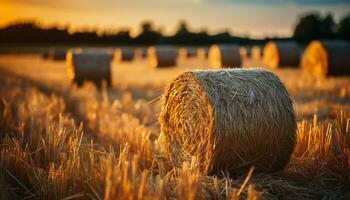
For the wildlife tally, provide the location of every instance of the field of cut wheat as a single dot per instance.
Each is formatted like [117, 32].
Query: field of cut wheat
[61, 141]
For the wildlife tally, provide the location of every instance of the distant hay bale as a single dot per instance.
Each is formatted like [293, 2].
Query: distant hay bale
[162, 56]
[327, 58]
[89, 65]
[182, 53]
[202, 53]
[224, 56]
[256, 53]
[282, 54]
[229, 119]
[244, 52]
[140, 54]
[185, 53]
[57, 53]
[123, 55]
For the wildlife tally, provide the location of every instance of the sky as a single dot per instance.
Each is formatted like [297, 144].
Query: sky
[253, 18]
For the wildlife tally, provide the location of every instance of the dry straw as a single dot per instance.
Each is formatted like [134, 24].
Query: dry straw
[162, 56]
[282, 54]
[325, 58]
[89, 65]
[57, 53]
[123, 55]
[224, 56]
[229, 119]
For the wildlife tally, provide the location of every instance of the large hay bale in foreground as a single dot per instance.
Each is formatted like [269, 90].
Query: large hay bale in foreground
[57, 53]
[123, 55]
[327, 58]
[224, 56]
[229, 119]
[162, 56]
[282, 54]
[256, 53]
[89, 65]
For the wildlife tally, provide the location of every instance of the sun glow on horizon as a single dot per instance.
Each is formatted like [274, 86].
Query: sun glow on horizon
[239, 19]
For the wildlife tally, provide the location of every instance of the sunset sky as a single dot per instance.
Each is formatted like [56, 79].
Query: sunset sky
[255, 18]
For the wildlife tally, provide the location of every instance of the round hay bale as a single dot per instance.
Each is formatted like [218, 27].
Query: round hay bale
[282, 54]
[89, 65]
[244, 52]
[327, 58]
[256, 53]
[140, 54]
[123, 55]
[185, 53]
[162, 56]
[202, 53]
[224, 56]
[229, 119]
[182, 53]
[57, 53]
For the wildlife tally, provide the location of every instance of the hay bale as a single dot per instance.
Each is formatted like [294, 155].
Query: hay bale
[57, 53]
[256, 53]
[140, 54]
[202, 53]
[162, 56]
[327, 58]
[224, 56]
[229, 119]
[123, 55]
[282, 54]
[244, 52]
[185, 53]
[89, 65]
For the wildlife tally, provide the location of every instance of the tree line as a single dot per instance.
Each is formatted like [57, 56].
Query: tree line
[309, 27]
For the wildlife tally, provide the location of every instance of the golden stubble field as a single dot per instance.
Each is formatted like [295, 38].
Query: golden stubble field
[63, 142]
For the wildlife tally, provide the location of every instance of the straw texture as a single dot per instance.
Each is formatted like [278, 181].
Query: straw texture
[282, 54]
[89, 65]
[229, 119]
[224, 56]
[327, 58]
[161, 56]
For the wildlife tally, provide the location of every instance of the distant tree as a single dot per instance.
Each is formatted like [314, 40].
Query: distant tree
[313, 26]
[328, 26]
[343, 30]
[148, 35]
[182, 34]
[182, 28]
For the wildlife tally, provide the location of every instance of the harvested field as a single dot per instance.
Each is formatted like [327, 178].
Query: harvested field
[59, 141]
